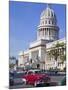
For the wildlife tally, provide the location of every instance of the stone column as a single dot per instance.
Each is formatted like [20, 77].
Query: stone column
[39, 52]
[52, 34]
[40, 57]
[30, 56]
[42, 32]
[46, 33]
[49, 33]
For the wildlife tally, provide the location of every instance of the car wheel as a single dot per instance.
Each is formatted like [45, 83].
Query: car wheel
[35, 84]
[24, 81]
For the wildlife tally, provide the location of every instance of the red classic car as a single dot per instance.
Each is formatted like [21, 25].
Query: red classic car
[35, 77]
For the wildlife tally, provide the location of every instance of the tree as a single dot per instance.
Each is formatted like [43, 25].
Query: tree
[11, 66]
[63, 58]
[63, 55]
[12, 62]
[54, 51]
[12, 58]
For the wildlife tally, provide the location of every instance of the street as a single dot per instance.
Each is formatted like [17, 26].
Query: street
[57, 79]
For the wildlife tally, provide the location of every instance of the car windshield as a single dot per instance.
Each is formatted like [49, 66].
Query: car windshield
[30, 72]
[37, 72]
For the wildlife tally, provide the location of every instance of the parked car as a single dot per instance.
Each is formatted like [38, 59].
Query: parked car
[16, 78]
[11, 81]
[35, 77]
[63, 82]
[20, 81]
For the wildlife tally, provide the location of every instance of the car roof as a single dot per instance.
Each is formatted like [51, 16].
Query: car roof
[34, 70]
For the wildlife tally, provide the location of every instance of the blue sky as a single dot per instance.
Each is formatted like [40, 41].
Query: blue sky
[24, 19]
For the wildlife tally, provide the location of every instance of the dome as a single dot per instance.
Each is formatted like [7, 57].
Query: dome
[48, 13]
[47, 28]
[48, 17]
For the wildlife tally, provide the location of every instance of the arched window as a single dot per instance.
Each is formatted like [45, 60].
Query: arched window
[52, 14]
[46, 22]
[48, 13]
[42, 22]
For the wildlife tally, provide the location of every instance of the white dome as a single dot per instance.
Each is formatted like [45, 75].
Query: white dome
[48, 13]
[48, 17]
[47, 28]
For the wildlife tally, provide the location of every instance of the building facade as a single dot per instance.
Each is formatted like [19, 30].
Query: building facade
[37, 56]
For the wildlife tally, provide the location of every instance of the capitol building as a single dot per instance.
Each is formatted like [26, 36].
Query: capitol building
[47, 51]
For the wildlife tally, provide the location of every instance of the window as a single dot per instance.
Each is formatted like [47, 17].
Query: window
[38, 66]
[52, 14]
[49, 22]
[45, 22]
[48, 13]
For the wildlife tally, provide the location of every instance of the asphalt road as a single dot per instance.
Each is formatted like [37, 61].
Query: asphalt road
[20, 86]
[56, 79]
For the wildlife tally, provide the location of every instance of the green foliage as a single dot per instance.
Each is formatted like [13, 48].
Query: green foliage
[59, 44]
[55, 50]
[11, 65]
[12, 58]
[63, 58]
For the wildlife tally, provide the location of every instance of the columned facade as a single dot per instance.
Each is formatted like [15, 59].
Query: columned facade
[56, 56]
